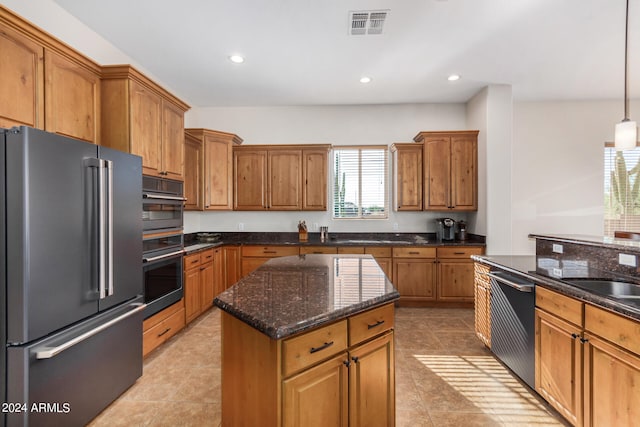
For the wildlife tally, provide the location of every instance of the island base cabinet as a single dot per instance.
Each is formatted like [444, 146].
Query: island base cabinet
[612, 385]
[559, 365]
[318, 396]
[372, 384]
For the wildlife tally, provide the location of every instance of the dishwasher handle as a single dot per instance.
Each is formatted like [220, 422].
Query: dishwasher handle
[522, 287]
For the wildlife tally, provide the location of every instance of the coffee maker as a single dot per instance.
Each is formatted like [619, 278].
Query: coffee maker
[445, 229]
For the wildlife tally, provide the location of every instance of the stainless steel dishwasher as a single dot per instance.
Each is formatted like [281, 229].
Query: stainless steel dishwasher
[513, 323]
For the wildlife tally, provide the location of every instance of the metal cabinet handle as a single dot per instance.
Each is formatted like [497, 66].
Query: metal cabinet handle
[378, 323]
[322, 347]
[49, 352]
[163, 332]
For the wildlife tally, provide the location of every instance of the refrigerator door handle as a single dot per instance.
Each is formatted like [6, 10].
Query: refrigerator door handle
[49, 352]
[108, 242]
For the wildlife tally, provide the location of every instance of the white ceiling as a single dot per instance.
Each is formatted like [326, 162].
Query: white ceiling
[299, 52]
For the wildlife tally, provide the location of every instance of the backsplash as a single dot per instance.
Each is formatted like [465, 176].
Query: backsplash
[575, 260]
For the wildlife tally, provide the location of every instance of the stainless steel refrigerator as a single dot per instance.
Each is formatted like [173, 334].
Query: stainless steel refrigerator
[71, 277]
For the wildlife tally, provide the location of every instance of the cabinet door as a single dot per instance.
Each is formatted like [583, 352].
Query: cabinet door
[464, 187]
[559, 365]
[232, 265]
[72, 98]
[192, 294]
[318, 396]
[482, 304]
[146, 119]
[408, 178]
[372, 384]
[455, 280]
[207, 285]
[217, 169]
[250, 180]
[192, 170]
[386, 266]
[172, 141]
[285, 180]
[314, 192]
[611, 389]
[414, 278]
[21, 80]
[437, 173]
[218, 272]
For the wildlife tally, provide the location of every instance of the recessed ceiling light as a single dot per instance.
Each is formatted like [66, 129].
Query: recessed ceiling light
[453, 77]
[365, 79]
[236, 59]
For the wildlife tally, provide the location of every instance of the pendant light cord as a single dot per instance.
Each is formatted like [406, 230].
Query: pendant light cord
[626, 37]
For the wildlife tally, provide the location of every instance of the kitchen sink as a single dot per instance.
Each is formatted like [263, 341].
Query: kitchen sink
[609, 288]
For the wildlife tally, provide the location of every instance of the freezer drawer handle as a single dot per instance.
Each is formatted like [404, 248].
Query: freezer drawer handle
[49, 352]
[522, 287]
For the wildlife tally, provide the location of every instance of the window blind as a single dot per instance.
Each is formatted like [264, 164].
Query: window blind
[621, 190]
[360, 182]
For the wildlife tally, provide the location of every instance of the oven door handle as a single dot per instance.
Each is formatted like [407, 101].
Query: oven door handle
[159, 257]
[522, 287]
[163, 197]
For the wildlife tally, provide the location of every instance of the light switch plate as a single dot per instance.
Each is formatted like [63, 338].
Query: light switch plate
[558, 248]
[627, 259]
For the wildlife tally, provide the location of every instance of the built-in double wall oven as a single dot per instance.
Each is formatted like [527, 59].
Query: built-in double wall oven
[163, 246]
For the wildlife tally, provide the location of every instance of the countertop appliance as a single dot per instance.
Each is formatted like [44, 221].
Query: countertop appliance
[71, 277]
[445, 229]
[513, 303]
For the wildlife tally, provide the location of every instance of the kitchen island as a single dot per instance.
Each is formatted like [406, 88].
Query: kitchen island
[308, 341]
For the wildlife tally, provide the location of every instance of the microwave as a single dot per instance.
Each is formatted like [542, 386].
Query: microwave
[162, 204]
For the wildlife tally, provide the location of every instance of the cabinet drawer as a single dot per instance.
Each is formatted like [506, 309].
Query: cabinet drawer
[615, 328]
[351, 250]
[162, 315]
[312, 347]
[378, 251]
[458, 252]
[369, 324]
[318, 250]
[562, 306]
[414, 252]
[206, 256]
[269, 251]
[191, 261]
[161, 332]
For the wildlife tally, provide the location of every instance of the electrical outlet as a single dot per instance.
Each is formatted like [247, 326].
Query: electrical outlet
[395, 226]
[557, 248]
[627, 259]
[315, 226]
[241, 226]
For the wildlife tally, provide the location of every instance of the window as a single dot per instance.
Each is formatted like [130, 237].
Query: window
[621, 190]
[360, 182]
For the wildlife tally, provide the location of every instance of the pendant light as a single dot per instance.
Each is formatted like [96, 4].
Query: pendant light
[626, 133]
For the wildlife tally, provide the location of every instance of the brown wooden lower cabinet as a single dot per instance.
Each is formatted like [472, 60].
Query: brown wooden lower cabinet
[202, 281]
[587, 361]
[253, 256]
[161, 326]
[348, 383]
[482, 304]
[232, 265]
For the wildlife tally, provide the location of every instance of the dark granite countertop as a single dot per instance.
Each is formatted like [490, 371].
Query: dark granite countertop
[600, 241]
[288, 295]
[335, 239]
[526, 266]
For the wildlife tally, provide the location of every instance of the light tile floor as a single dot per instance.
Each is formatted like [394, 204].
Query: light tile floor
[444, 377]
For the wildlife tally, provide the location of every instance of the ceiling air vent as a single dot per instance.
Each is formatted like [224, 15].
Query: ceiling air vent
[367, 21]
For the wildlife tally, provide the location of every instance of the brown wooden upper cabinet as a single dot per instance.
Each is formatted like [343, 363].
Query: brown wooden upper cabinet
[46, 84]
[283, 177]
[407, 176]
[450, 170]
[208, 182]
[142, 118]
